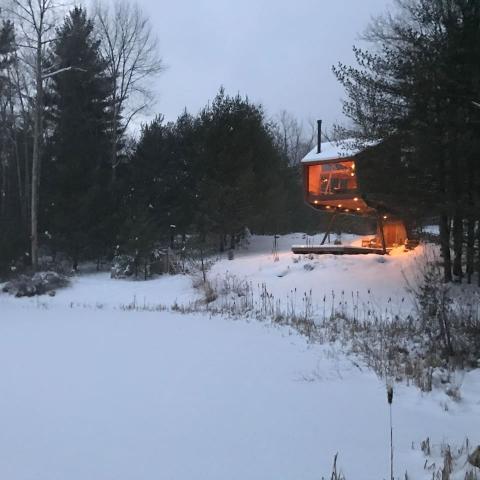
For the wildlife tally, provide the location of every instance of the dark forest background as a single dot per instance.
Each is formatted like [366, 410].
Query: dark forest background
[74, 183]
[102, 192]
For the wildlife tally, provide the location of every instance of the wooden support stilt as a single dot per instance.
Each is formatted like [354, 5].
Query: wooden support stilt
[329, 228]
[382, 234]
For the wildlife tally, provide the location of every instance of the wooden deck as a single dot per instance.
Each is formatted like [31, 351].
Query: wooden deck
[335, 250]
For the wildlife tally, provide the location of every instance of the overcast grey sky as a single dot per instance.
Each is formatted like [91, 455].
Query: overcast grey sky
[278, 52]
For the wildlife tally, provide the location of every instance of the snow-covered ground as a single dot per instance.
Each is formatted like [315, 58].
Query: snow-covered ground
[88, 390]
[372, 279]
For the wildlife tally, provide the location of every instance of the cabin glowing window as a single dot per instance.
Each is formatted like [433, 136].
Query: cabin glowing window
[331, 178]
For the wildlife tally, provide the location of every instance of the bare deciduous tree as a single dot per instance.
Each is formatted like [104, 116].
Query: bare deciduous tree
[35, 19]
[36, 22]
[292, 138]
[131, 50]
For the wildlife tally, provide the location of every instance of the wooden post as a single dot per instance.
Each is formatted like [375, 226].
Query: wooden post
[329, 228]
[382, 234]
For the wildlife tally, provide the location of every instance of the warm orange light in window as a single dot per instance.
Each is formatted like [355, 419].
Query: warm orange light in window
[330, 178]
[358, 209]
[355, 199]
[385, 217]
[315, 202]
[328, 206]
[339, 205]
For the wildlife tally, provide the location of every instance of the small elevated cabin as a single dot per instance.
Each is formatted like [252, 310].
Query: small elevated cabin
[330, 178]
[331, 184]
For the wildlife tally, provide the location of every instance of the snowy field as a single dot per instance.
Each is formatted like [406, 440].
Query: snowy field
[90, 391]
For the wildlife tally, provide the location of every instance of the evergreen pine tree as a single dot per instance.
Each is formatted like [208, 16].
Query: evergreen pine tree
[12, 229]
[416, 92]
[238, 168]
[77, 208]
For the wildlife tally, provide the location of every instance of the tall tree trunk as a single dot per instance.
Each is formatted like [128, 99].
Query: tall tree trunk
[14, 140]
[222, 243]
[444, 221]
[470, 254]
[114, 134]
[19, 180]
[458, 244]
[445, 246]
[478, 253]
[3, 187]
[27, 187]
[37, 138]
[470, 248]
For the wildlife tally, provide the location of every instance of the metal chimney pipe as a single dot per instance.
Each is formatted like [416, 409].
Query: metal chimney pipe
[319, 136]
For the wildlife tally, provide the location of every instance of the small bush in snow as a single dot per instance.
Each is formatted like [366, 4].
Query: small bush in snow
[123, 266]
[210, 294]
[39, 283]
[157, 262]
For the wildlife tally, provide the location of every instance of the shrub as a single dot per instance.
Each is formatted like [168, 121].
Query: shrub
[37, 284]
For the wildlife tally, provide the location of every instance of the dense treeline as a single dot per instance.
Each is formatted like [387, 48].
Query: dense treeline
[75, 185]
[418, 91]
[213, 174]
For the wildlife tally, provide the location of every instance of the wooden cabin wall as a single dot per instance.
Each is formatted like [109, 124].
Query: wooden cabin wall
[394, 231]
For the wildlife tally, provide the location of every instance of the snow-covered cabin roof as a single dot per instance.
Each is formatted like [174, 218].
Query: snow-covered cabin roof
[333, 150]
